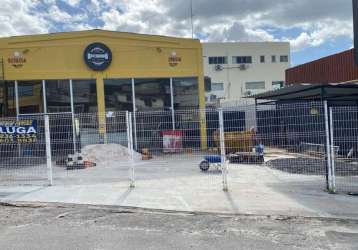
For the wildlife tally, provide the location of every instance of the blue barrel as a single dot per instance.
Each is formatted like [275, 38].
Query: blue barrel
[213, 158]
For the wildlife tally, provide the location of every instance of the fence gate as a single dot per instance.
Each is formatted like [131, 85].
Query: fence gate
[344, 123]
[293, 138]
[90, 148]
[23, 151]
[169, 148]
[97, 146]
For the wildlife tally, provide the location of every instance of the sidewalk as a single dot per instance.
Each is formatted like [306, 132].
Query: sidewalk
[252, 190]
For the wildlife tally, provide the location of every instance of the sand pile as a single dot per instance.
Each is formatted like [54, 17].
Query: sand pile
[107, 154]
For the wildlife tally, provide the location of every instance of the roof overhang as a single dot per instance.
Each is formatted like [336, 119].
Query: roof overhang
[335, 93]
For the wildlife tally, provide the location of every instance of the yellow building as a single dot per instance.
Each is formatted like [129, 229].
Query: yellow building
[99, 71]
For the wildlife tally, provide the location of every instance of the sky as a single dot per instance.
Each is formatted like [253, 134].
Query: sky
[315, 28]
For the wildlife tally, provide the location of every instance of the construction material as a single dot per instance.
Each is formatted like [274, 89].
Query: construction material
[236, 141]
[89, 164]
[75, 161]
[108, 154]
[146, 155]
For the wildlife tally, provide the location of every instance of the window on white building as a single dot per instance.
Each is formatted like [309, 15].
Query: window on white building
[277, 84]
[284, 58]
[262, 59]
[241, 59]
[255, 85]
[217, 59]
[273, 59]
[217, 86]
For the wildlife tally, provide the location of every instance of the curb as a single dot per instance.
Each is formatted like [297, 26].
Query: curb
[132, 210]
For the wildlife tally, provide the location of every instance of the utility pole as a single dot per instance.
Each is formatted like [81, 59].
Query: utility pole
[191, 19]
[355, 29]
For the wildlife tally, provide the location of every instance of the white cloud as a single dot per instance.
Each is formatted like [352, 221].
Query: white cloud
[114, 20]
[135, 16]
[240, 32]
[315, 22]
[72, 2]
[94, 7]
[302, 41]
[235, 20]
[16, 18]
[57, 15]
[320, 33]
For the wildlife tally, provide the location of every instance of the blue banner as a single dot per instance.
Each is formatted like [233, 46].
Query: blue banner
[24, 131]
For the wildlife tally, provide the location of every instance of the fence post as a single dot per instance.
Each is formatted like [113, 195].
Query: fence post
[73, 119]
[172, 104]
[328, 147]
[128, 134]
[130, 148]
[134, 116]
[48, 150]
[333, 154]
[222, 150]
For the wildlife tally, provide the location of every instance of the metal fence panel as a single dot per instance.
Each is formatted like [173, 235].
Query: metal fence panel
[22, 151]
[292, 137]
[101, 143]
[287, 141]
[96, 143]
[168, 156]
[345, 141]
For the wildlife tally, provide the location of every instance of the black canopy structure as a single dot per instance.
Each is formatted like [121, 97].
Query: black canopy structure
[336, 94]
[331, 96]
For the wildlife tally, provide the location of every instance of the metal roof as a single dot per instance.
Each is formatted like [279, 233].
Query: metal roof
[340, 67]
[336, 93]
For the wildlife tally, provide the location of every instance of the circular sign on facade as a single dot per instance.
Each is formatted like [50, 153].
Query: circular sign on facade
[97, 56]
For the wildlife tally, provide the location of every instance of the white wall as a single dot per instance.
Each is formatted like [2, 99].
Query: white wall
[233, 78]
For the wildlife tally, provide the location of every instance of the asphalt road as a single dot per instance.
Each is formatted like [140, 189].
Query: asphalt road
[50, 226]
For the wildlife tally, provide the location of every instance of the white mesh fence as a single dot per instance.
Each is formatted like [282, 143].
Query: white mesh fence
[294, 137]
[345, 140]
[173, 146]
[286, 144]
[90, 148]
[22, 151]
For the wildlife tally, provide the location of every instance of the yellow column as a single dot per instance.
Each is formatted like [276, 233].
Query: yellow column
[101, 106]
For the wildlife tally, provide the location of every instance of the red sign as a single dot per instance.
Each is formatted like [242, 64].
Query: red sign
[172, 141]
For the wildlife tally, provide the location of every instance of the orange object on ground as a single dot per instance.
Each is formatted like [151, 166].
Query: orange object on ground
[89, 164]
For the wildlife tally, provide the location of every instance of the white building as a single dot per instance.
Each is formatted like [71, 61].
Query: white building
[244, 68]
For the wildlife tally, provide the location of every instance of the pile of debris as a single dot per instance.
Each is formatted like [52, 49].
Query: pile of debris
[108, 153]
[100, 154]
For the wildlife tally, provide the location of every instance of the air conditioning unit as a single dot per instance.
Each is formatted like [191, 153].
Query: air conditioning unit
[219, 67]
[213, 98]
[243, 67]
